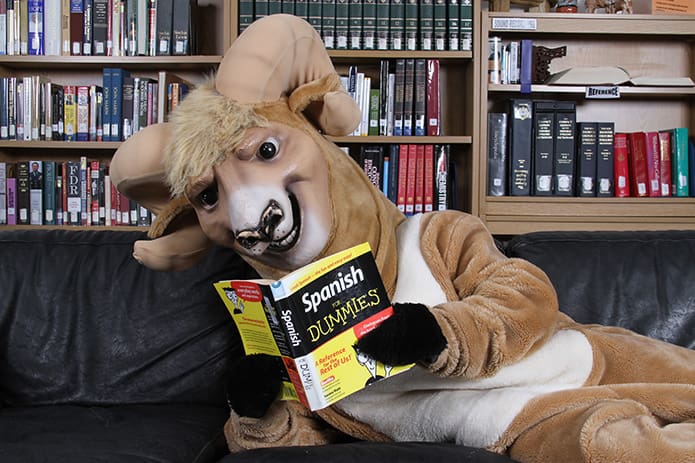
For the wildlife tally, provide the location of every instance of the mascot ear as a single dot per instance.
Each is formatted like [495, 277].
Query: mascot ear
[137, 171]
[283, 56]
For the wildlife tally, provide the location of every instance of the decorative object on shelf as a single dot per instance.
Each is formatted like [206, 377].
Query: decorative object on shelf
[542, 56]
[609, 6]
[566, 6]
[504, 5]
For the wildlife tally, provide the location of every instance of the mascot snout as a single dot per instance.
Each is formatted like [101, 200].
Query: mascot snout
[270, 219]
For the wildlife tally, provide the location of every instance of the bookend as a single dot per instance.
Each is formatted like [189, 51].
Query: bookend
[542, 56]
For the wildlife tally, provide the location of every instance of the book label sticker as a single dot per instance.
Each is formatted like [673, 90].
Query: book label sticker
[515, 24]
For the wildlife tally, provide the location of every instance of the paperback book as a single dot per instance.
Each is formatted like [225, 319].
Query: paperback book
[311, 320]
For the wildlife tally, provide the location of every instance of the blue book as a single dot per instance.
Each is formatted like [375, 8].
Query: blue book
[35, 37]
[117, 75]
[106, 104]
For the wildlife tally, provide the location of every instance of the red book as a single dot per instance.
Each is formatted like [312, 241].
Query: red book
[402, 177]
[411, 180]
[419, 178]
[429, 178]
[653, 164]
[637, 162]
[94, 191]
[124, 206]
[433, 112]
[620, 165]
[665, 160]
[115, 206]
[76, 26]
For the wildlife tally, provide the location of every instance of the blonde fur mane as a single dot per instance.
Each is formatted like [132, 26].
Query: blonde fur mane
[206, 127]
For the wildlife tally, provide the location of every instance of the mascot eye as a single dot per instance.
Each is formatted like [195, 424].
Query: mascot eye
[268, 149]
[208, 197]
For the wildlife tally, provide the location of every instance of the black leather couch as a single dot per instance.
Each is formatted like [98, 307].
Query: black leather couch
[103, 360]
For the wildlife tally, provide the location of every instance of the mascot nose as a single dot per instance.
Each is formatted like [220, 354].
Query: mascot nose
[263, 232]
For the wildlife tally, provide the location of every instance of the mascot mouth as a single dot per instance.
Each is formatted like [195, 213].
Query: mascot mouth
[290, 239]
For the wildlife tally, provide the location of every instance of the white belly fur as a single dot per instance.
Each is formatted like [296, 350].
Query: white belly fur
[417, 405]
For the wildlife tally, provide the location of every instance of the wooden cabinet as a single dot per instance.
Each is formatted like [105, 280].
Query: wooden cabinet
[645, 45]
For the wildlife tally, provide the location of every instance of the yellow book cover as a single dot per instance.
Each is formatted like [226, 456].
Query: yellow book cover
[311, 320]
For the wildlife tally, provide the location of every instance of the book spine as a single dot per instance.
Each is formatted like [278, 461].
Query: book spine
[165, 9]
[82, 113]
[106, 106]
[94, 197]
[35, 192]
[3, 27]
[426, 25]
[342, 24]
[665, 162]
[11, 108]
[374, 100]
[95, 102]
[355, 24]
[402, 177]
[587, 139]
[653, 164]
[637, 163]
[117, 76]
[411, 24]
[383, 95]
[419, 179]
[565, 140]
[314, 10]
[399, 97]
[35, 19]
[497, 154]
[520, 131]
[49, 192]
[10, 29]
[408, 97]
[621, 165]
[70, 112]
[87, 26]
[23, 193]
[420, 98]
[604, 159]
[72, 193]
[328, 23]
[76, 26]
[369, 25]
[22, 26]
[143, 27]
[439, 26]
[411, 179]
[679, 161]
[466, 25]
[99, 26]
[11, 200]
[543, 147]
[428, 178]
[433, 99]
[127, 95]
[131, 35]
[245, 14]
[382, 24]
[3, 193]
[453, 29]
[397, 25]
[441, 153]
[4, 108]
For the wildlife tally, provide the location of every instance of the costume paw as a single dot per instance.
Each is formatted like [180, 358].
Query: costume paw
[254, 384]
[410, 335]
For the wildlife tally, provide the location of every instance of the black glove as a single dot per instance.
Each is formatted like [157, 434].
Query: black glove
[254, 383]
[410, 335]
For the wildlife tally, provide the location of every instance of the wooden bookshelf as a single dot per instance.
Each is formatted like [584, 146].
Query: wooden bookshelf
[653, 45]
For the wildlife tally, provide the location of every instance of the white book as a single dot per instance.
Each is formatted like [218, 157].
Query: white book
[52, 27]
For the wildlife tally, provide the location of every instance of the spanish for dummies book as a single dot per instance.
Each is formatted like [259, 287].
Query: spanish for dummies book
[311, 320]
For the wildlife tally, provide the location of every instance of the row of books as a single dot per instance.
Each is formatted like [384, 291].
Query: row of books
[98, 27]
[78, 192]
[539, 148]
[416, 177]
[404, 101]
[376, 24]
[34, 108]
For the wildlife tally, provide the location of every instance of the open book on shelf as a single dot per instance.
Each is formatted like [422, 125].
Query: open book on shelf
[311, 320]
[612, 75]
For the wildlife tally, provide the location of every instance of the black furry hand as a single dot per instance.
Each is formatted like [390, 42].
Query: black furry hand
[410, 335]
[254, 383]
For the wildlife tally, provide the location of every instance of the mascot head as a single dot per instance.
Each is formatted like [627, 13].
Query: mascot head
[244, 163]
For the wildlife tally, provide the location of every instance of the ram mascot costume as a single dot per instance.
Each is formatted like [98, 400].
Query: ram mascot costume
[244, 162]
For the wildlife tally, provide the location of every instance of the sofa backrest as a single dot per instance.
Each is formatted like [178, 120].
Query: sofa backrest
[642, 280]
[82, 322]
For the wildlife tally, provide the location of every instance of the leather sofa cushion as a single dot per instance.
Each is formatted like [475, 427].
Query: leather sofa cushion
[82, 322]
[643, 281]
[175, 433]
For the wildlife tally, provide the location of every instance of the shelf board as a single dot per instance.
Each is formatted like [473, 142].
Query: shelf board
[674, 92]
[584, 23]
[438, 140]
[98, 62]
[62, 145]
[98, 228]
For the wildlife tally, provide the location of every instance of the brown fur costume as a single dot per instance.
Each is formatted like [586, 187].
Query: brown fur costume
[517, 376]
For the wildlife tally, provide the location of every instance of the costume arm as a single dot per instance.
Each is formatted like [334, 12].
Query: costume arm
[285, 424]
[499, 308]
